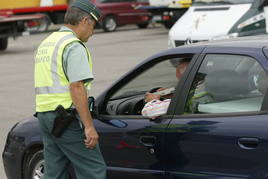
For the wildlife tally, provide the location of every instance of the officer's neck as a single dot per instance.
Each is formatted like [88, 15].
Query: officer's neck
[75, 29]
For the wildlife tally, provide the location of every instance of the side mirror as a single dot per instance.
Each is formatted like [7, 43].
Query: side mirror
[118, 123]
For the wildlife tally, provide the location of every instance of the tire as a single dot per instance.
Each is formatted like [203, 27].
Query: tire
[3, 43]
[168, 25]
[44, 24]
[143, 26]
[34, 168]
[109, 24]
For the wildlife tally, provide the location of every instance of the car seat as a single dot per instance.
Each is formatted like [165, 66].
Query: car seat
[226, 84]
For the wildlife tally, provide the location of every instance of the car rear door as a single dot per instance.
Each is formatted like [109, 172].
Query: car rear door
[219, 129]
[133, 145]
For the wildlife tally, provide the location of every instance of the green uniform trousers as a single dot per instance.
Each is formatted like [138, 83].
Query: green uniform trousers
[69, 148]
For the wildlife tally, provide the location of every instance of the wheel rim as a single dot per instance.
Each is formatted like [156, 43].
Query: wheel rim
[110, 24]
[38, 171]
[43, 25]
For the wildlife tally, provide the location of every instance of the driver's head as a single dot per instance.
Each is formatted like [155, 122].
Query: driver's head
[181, 65]
[181, 69]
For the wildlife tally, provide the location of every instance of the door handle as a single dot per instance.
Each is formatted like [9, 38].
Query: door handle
[148, 141]
[248, 143]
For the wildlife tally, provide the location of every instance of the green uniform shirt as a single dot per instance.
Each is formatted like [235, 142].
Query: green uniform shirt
[75, 61]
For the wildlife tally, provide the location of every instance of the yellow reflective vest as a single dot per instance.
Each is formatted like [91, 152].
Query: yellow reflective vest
[51, 83]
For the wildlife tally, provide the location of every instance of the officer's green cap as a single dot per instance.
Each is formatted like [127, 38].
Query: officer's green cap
[88, 7]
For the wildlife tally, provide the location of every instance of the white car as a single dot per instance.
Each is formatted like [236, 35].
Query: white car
[213, 19]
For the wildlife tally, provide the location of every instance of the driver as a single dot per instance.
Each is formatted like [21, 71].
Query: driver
[157, 105]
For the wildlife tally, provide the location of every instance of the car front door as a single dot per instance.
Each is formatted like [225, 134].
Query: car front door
[133, 145]
[220, 125]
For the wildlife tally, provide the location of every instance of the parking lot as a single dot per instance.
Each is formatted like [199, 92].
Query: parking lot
[113, 54]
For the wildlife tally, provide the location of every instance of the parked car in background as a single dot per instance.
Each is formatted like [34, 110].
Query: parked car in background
[167, 12]
[215, 126]
[219, 19]
[121, 12]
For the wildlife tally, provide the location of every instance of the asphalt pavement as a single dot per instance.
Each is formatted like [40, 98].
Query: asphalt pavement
[113, 55]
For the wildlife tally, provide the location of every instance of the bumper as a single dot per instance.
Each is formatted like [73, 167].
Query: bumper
[12, 160]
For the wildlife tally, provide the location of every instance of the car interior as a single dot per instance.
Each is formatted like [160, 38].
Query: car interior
[129, 99]
[237, 86]
[223, 84]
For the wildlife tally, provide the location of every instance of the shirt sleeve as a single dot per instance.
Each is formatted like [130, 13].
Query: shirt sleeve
[155, 108]
[75, 63]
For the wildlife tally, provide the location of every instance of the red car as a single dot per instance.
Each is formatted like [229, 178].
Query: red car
[121, 12]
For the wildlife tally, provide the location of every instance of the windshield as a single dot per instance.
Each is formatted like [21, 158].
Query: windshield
[220, 2]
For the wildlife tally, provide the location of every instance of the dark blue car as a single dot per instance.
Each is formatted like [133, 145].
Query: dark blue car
[216, 126]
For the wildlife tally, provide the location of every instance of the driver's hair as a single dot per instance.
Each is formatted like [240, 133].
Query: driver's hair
[178, 61]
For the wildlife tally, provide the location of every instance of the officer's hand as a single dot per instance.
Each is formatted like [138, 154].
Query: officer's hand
[91, 137]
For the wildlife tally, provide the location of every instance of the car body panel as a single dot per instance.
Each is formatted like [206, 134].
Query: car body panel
[136, 159]
[211, 146]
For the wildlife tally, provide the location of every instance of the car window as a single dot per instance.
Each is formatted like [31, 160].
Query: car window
[227, 84]
[129, 99]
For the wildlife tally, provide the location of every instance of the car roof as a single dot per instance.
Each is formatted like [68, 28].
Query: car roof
[248, 43]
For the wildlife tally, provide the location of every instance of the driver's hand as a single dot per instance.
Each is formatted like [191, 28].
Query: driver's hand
[150, 96]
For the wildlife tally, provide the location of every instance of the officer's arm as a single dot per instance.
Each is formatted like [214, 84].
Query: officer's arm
[79, 97]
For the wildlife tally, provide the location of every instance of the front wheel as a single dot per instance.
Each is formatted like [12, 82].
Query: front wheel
[44, 24]
[35, 166]
[109, 24]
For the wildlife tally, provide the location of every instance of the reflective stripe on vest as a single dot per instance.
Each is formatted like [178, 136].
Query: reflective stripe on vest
[56, 88]
[51, 83]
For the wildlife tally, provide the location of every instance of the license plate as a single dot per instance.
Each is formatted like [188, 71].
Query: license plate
[157, 18]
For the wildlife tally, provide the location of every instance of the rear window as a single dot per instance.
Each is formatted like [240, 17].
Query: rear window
[227, 84]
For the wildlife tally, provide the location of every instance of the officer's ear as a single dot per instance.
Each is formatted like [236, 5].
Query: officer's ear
[84, 20]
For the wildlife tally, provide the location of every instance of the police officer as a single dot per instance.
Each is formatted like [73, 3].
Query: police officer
[63, 75]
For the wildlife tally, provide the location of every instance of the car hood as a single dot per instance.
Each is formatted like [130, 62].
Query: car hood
[205, 22]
